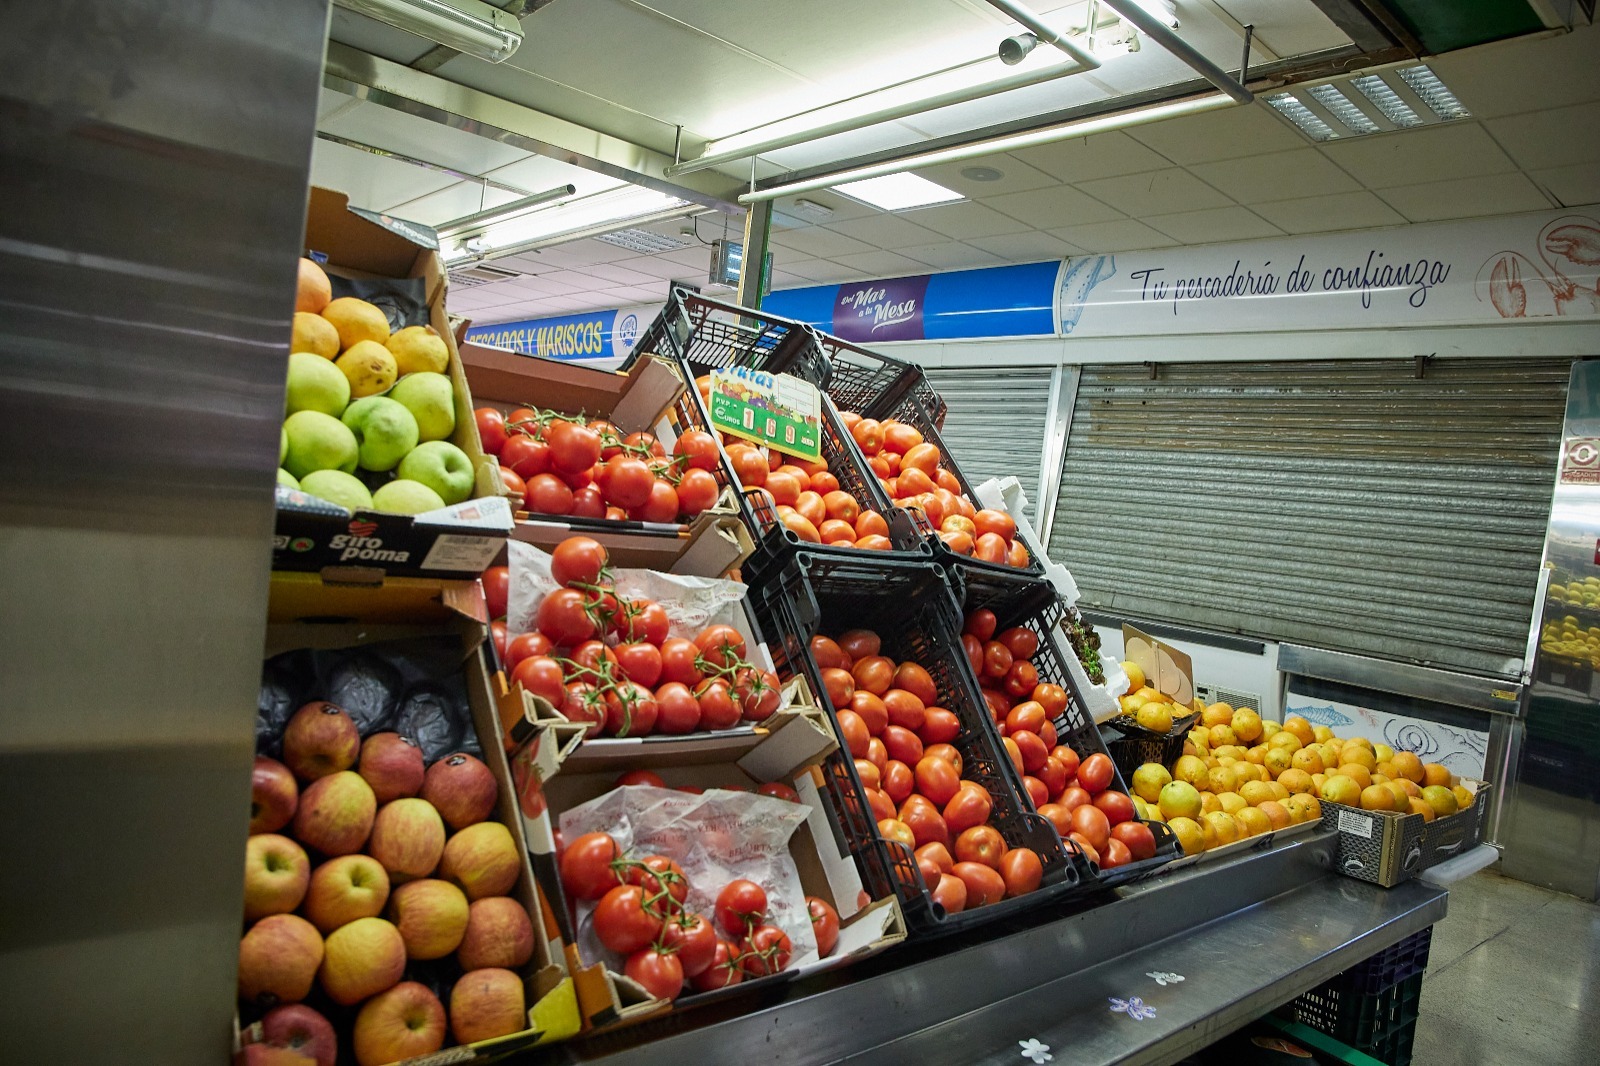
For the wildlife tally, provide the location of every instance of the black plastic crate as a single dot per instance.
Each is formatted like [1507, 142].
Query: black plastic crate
[1131, 746]
[1042, 611]
[1371, 1007]
[993, 579]
[867, 382]
[911, 607]
[711, 335]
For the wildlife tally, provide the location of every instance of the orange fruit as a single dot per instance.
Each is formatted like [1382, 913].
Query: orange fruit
[1463, 796]
[1190, 836]
[312, 289]
[1306, 806]
[1300, 728]
[1356, 755]
[1341, 789]
[1307, 759]
[1246, 725]
[1422, 807]
[1277, 761]
[1222, 736]
[1296, 781]
[1216, 714]
[1408, 766]
[1256, 793]
[1277, 814]
[1253, 821]
[1223, 825]
[1377, 798]
[1280, 791]
[1356, 772]
[1435, 774]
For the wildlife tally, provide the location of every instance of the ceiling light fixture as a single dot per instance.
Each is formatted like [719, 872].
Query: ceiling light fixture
[589, 216]
[478, 221]
[1083, 127]
[469, 26]
[1386, 100]
[898, 192]
[1433, 92]
[1343, 108]
[813, 210]
[1302, 116]
[646, 241]
[1381, 100]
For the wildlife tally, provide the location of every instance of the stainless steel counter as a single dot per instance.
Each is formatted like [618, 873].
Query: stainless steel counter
[1245, 935]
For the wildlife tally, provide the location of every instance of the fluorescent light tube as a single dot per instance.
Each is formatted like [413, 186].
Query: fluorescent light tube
[897, 192]
[588, 216]
[468, 26]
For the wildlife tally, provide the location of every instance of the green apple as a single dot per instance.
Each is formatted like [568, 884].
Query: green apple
[431, 399]
[336, 486]
[286, 479]
[319, 441]
[283, 444]
[385, 430]
[405, 497]
[315, 384]
[442, 467]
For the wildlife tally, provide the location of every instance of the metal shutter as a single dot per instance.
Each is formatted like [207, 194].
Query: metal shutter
[1344, 505]
[996, 423]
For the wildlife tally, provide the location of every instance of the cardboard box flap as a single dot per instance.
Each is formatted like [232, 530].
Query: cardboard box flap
[801, 739]
[489, 514]
[353, 238]
[633, 401]
[404, 601]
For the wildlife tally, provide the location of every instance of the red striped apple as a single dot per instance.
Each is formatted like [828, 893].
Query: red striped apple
[344, 889]
[362, 959]
[408, 838]
[279, 957]
[273, 795]
[320, 739]
[392, 765]
[485, 1004]
[299, 1028]
[431, 916]
[462, 789]
[498, 934]
[405, 1022]
[276, 872]
[335, 814]
[482, 859]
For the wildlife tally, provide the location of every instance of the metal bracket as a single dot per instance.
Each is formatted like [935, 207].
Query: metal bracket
[1155, 370]
[1422, 362]
[1244, 60]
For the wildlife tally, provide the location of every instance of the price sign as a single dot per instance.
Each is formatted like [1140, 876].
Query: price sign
[777, 410]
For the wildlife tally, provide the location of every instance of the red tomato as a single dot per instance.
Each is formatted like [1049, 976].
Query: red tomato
[658, 970]
[947, 752]
[721, 645]
[693, 939]
[1034, 753]
[860, 643]
[951, 894]
[1038, 792]
[1068, 759]
[996, 659]
[621, 921]
[662, 506]
[924, 821]
[698, 449]
[904, 709]
[839, 686]
[1021, 680]
[1091, 823]
[871, 776]
[824, 925]
[827, 653]
[1053, 776]
[939, 726]
[573, 448]
[785, 488]
[810, 507]
[778, 790]
[578, 561]
[1014, 752]
[757, 693]
[984, 883]
[930, 873]
[981, 624]
[1116, 854]
[625, 481]
[974, 649]
[585, 703]
[765, 951]
[899, 437]
[541, 676]
[898, 781]
[631, 710]
[640, 663]
[497, 631]
[1047, 733]
[497, 589]
[937, 779]
[586, 870]
[878, 755]
[823, 483]
[998, 523]
[1021, 642]
[939, 854]
[1053, 698]
[1137, 838]
[999, 704]
[970, 807]
[872, 711]
[871, 524]
[917, 681]
[853, 731]
[1021, 870]
[835, 532]
[678, 661]
[749, 467]
[526, 646]
[1095, 773]
[528, 457]
[1059, 816]
[548, 494]
[881, 805]
[1082, 845]
[1017, 555]
[873, 674]
[989, 548]
[564, 617]
[923, 458]
[868, 434]
[723, 971]
[588, 502]
[980, 843]
[491, 429]
[660, 874]
[697, 491]
[1027, 717]
[677, 711]
[902, 744]
[1117, 806]
[894, 830]
[740, 905]
[1074, 797]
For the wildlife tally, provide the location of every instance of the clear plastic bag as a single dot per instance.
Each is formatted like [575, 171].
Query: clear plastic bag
[717, 837]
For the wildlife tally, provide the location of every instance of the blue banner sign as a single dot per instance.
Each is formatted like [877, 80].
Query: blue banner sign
[591, 335]
[1009, 301]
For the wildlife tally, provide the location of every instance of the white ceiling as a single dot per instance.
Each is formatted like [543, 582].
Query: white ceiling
[1534, 142]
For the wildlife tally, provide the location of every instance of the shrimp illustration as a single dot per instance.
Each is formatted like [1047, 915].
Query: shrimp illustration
[1568, 282]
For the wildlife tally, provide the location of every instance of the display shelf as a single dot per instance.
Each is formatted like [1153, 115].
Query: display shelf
[1238, 932]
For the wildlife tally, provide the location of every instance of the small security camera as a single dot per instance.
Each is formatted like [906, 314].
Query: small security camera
[1014, 49]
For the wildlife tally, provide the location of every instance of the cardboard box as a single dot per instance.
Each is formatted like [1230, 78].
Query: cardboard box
[649, 396]
[300, 607]
[459, 541]
[788, 747]
[1387, 847]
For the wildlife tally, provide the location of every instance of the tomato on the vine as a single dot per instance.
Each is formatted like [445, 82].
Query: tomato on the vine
[626, 481]
[717, 708]
[692, 939]
[740, 905]
[528, 457]
[541, 676]
[721, 645]
[778, 790]
[525, 646]
[564, 617]
[621, 921]
[664, 883]
[587, 502]
[757, 692]
[497, 589]
[639, 777]
[698, 449]
[697, 491]
[586, 866]
[678, 661]
[662, 504]
[593, 661]
[497, 631]
[641, 620]
[765, 951]
[585, 703]
[578, 561]
[491, 429]
[630, 710]
[677, 711]
[658, 970]
[723, 971]
[639, 662]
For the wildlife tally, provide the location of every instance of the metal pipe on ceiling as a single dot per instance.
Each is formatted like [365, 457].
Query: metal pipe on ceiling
[467, 225]
[1161, 33]
[989, 146]
[439, 168]
[885, 114]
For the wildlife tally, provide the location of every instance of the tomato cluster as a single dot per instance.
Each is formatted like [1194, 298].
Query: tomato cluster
[562, 465]
[601, 658]
[1075, 795]
[641, 913]
[891, 722]
[912, 472]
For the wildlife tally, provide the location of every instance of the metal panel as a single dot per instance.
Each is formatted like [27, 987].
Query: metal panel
[1352, 505]
[997, 421]
[1404, 679]
[154, 189]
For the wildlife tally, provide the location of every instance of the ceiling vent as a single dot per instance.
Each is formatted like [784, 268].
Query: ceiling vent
[1378, 101]
[645, 241]
[465, 277]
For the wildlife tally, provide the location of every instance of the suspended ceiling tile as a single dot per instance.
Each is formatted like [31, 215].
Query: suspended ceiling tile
[1155, 193]
[1118, 235]
[1248, 129]
[842, 206]
[827, 272]
[1319, 214]
[1410, 157]
[887, 231]
[1027, 247]
[370, 35]
[621, 273]
[1060, 205]
[1572, 186]
[1551, 138]
[395, 131]
[952, 255]
[812, 270]
[457, 200]
[820, 242]
[1524, 75]
[1494, 194]
[1213, 225]
[879, 264]
[370, 181]
[968, 219]
[1289, 29]
[1103, 155]
[665, 269]
[1278, 176]
[1015, 176]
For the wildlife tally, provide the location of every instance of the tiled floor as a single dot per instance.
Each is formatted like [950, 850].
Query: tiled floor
[1513, 979]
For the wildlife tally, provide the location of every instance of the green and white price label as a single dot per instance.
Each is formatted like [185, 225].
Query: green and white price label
[777, 410]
